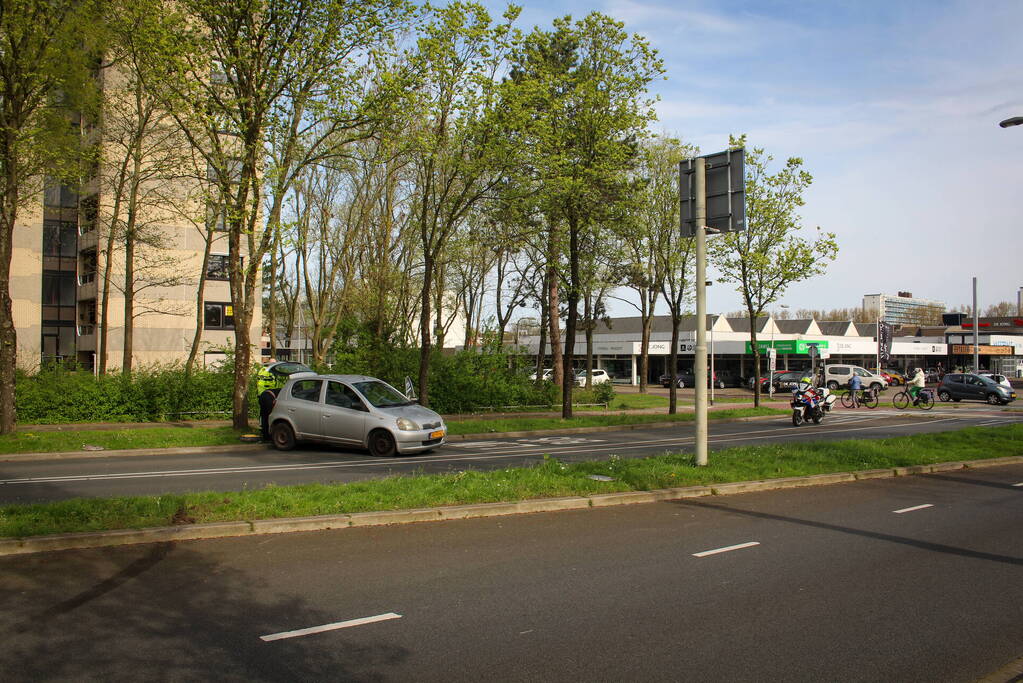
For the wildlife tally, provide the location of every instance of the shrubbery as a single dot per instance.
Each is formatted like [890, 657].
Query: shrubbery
[150, 394]
[459, 383]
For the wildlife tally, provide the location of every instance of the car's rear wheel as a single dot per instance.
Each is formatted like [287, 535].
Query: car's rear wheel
[283, 436]
[680, 384]
[833, 385]
[944, 396]
[381, 444]
[994, 399]
[721, 384]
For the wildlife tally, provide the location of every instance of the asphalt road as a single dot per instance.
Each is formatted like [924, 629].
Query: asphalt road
[907, 579]
[46, 480]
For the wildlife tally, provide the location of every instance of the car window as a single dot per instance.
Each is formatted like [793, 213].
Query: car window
[958, 379]
[287, 369]
[343, 396]
[307, 389]
[974, 381]
[862, 373]
[381, 395]
[839, 371]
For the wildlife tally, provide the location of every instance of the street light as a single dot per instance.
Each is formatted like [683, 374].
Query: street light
[1014, 121]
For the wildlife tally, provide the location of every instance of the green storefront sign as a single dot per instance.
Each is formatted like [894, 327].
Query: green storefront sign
[788, 346]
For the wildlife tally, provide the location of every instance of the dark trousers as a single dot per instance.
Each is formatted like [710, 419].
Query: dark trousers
[266, 406]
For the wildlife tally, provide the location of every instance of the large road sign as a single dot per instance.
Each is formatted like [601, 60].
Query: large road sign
[726, 192]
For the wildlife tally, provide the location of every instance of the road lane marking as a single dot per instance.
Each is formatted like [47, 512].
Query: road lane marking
[727, 549]
[517, 450]
[915, 507]
[330, 627]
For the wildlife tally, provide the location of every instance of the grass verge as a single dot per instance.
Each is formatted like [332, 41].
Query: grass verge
[550, 478]
[178, 437]
[116, 439]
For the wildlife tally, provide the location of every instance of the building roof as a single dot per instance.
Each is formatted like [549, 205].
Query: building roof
[797, 326]
[660, 323]
[742, 324]
[866, 329]
[835, 328]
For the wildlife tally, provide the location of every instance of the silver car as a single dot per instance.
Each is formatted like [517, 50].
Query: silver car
[353, 410]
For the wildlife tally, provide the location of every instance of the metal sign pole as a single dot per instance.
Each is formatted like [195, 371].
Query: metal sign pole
[700, 361]
[976, 321]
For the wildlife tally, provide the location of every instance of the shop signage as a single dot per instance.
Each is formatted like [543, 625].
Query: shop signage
[788, 346]
[982, 349]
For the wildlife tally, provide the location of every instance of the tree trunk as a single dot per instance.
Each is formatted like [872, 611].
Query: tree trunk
[8, 333]
[572, 318]
[541, 351]
[554, 331]
[644, 351]
[129, 301]
[424, 331]
[676, 321]
[756, 357]
[200, 318]
[271, 313]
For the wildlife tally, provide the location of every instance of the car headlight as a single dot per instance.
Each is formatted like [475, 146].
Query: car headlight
[407, 425]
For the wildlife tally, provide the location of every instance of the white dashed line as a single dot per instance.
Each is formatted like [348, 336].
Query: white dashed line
[915, 507]
[730, 548]
[330, 627]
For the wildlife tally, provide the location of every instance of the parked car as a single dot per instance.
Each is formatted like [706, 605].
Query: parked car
[353, 410]
[958, 386]
[599, 377]
[995, 377]
[897, 378]
[547, 374]
[888, 377]
[783, 380]
[687, 378]
[836, 376]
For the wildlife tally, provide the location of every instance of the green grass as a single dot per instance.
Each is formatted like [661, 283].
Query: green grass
[522, 424]
[176, 437]
[550, 478]
[114, 439]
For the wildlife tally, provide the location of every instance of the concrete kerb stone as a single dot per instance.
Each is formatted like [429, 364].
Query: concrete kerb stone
[99, 539]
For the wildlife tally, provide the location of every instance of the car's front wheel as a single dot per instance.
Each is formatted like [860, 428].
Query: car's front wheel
[994, 399]
[680, 384]
[944, 396]
[283, 436]
[381, 444]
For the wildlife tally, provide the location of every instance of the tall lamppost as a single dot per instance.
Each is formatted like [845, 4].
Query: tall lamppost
[770, 370]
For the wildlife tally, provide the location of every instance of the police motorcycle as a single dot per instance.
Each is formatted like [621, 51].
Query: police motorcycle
[810, 403]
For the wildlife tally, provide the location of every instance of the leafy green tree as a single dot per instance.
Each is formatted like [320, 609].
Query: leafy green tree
[459, 152]
[263, 89]
[582, 88]
[770, 254]
[45, 82]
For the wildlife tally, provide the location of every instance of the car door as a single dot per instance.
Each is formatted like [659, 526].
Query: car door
[975, 388]
[304, 408]
[954, 385]
[343, 418]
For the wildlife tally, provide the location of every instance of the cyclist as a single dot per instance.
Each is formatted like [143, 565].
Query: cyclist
[916, 384]
[855, 384]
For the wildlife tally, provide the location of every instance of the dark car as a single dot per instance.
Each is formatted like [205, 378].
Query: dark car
[958, 386]
[687, 378]
[784, 380]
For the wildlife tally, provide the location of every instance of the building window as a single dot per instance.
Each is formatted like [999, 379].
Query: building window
[87, 267]
[218, 268]
[218, 316]
[60, 238]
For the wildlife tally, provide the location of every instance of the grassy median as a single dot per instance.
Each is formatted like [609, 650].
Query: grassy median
[197, 435]
[550, 478]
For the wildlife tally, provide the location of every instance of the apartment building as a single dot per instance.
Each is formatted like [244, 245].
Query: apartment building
[64, 257]
[904, 308]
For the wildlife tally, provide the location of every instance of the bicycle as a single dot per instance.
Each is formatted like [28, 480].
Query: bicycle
[924, 400]
[867, 398]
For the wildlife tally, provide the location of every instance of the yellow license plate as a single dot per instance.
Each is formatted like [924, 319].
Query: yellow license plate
[437, 434]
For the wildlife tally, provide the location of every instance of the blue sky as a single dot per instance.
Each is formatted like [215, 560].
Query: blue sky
[892, 105]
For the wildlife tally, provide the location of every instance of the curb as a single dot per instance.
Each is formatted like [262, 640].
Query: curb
[102, 539]
[232, 448]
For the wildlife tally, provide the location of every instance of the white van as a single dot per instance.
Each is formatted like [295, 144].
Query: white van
[836, 376]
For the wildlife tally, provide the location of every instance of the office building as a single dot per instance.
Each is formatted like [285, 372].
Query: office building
[904, 309]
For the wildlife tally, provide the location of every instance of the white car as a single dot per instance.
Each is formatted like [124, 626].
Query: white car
[836, 376]
[599, 377]
[547, 374]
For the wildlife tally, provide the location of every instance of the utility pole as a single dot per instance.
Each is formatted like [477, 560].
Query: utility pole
[976, 337]
[700, 364]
